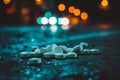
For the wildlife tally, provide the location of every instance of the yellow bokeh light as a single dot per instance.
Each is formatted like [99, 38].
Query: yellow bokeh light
[6, 1]
[104, 3]
[76, 12]
[84, 16]
[71, 9]
[61, 7]
[38, 2]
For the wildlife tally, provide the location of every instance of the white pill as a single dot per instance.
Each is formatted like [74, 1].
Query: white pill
[60, 55]
[25, 54]
[86, 51]
[50, 48]
[34, 61]
[43, 50]
[76, 49]
[95, 51]
[71, 55]
[84, 44]
[58, 49]
[65, 49]
[49, 55]
[37, 54]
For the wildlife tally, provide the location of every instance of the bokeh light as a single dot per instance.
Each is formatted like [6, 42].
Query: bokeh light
[48, 14]
[65, 21]
[74, 21]
[38, 2]
[59, 20]
[84, 16]
[6, 1]
[77, 12]
[39, 20]
[66, 27]
[61, 7]
[44, 20]
[71, 9]
[24, 11]
[104, 3]
[53, 28]
[52, 20]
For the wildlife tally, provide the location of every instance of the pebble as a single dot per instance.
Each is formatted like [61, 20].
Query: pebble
[60, 56]
[49, 55]
[71, 55]
[25, 54]
[34, 61]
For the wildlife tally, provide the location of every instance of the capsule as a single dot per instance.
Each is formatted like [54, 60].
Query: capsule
[25, 54]
[34, 61]
[95, 51]
[65, 49]
[51, 48]
[58, 49]
[71, 55]
[60, 55]
[49, 55]
[86, 51]
[33, 48]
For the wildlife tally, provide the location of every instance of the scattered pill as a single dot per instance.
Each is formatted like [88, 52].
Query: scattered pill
[34, 61]
[33, 48]
[86, 51]
[49, 55]
[43, 50]
[65, 49]
[95, 51]
[71, 55]
[60, 56]
[58, 49]
[25, 54]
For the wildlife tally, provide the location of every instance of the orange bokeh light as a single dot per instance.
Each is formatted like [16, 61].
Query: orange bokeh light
[74, 21]
[38, 2]
[84, 16]
[6, 1]
[76, 12]
[61, 7]
[71, 9]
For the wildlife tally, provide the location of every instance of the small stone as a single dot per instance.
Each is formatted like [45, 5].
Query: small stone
[71, 55]
[34, 61]
[25, 54]
[60, 56]
[49, 55]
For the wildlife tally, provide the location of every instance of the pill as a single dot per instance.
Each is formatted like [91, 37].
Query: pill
[49, 55]
[95, 51]
[36, 54]
[60, 55]
[58, 49]
[86, 51]
[65, 49]
[25, 54]
[50, 48]
[71, 55]
[34, 61]
[43, 50]
[84, 44]
[77, 49]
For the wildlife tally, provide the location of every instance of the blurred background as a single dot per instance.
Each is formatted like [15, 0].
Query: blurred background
[63, 12]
